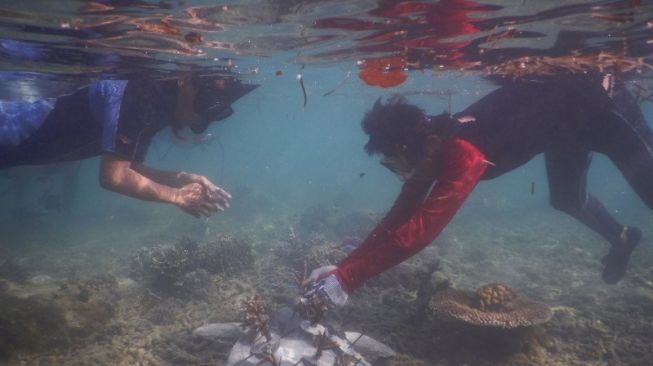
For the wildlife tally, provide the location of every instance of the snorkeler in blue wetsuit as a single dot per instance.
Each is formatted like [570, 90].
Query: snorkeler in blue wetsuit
[116, 119]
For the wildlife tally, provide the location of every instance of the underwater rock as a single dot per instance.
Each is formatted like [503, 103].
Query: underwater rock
[369, 347]
[223, 331]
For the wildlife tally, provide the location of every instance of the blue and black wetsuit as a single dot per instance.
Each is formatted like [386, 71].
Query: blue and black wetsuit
[110, 116]
[568, 118]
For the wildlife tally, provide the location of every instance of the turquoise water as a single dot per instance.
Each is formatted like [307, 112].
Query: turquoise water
[298, 173]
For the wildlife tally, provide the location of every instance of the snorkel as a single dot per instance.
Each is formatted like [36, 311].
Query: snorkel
[204, 100]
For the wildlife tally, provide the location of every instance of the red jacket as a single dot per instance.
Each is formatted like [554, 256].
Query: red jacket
[416, 218]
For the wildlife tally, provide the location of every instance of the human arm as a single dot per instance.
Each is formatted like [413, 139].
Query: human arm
[180, 179]
[118, 175]
[462, 165]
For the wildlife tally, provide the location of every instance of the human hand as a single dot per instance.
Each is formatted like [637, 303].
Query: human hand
[192, 199]
[213, 193]
[320, 297]
[325, 288]
[318, 274]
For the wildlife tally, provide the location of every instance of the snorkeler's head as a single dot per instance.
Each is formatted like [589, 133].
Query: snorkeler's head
[395, 128]
[405, 135]
[214, 97]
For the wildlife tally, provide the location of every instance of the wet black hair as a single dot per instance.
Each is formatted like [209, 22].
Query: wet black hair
[395, 126]
[398, 126]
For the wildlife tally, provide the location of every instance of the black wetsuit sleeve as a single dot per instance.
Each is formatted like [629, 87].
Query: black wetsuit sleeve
[133, 116]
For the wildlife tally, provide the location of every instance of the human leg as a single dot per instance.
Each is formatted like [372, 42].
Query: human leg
[567, 173]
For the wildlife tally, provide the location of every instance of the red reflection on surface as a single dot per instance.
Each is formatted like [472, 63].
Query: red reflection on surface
[417, 30]
[384, 72]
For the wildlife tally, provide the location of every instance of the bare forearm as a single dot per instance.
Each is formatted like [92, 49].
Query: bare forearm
[164, 177]
[118, 176]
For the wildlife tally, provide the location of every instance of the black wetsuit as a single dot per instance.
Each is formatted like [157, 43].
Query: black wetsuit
[567, 118]
[109, 116]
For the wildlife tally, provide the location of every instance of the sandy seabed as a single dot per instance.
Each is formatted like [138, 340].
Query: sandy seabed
[71, 297]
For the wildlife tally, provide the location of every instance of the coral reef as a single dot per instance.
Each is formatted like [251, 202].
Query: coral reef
[493, 305]
[310, 250]
[323, 342]
[186, 269]
[47, 318]
[226, 254]
[163, 261]
[31, 323]
[494, 297]
[38, 316]
[88, 304]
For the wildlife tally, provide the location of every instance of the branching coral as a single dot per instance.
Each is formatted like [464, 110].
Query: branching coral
[323, 343]
[254, 316]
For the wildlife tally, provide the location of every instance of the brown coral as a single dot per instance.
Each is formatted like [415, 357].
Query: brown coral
[494, 296]
[492, 305]
[254, 316]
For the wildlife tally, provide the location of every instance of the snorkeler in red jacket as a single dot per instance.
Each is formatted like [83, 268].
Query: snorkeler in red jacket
[442, 158]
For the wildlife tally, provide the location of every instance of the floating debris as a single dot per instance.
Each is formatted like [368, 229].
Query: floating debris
[300, 78]
[573, 64]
